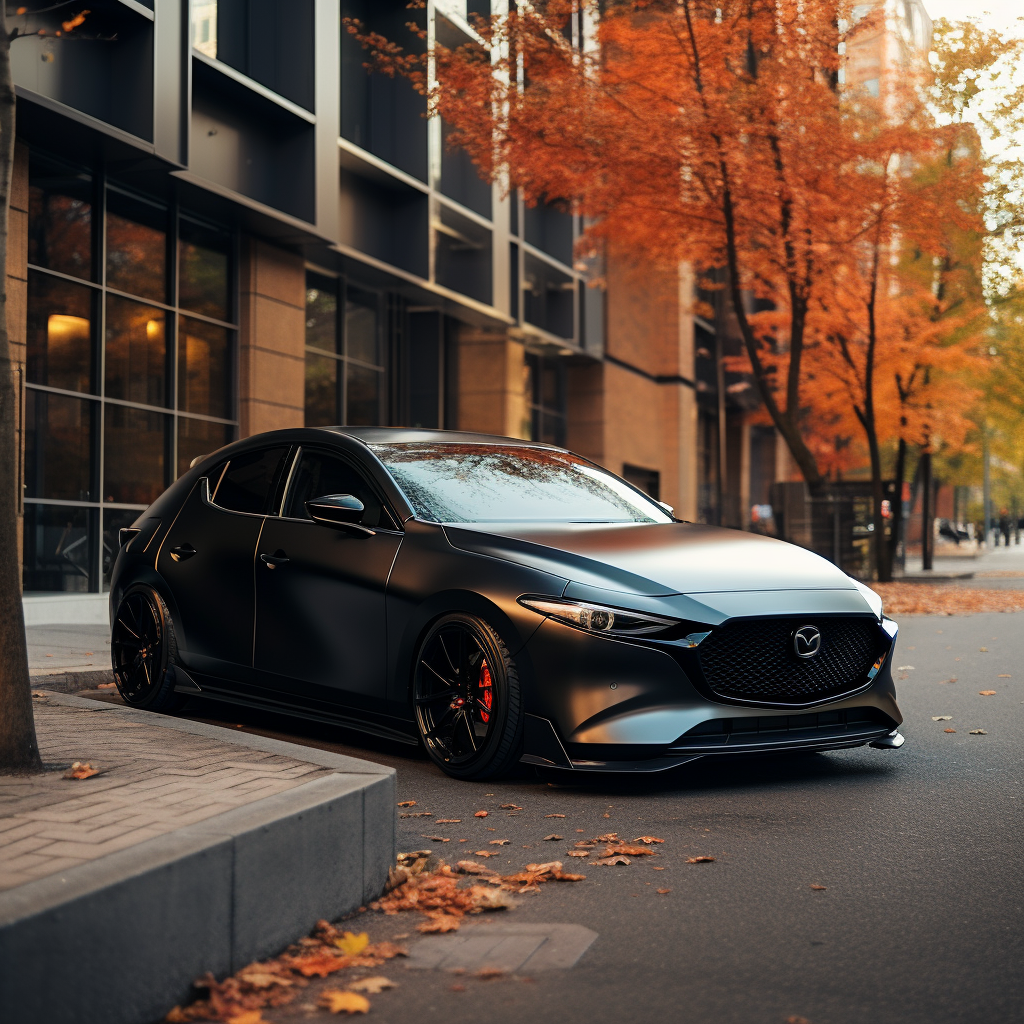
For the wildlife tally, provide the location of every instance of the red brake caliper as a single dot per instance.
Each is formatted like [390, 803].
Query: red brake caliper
[486, 691]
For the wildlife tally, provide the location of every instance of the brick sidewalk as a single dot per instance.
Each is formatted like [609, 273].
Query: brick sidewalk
[153, 780]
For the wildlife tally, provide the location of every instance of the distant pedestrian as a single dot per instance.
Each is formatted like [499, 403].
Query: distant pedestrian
[1004, 527]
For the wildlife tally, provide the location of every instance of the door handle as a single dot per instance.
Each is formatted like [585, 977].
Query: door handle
[182, 551]
[271, 561]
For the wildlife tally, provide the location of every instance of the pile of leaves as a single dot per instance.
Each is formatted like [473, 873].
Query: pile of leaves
[240, 998]
[938, 599]
[422, 883]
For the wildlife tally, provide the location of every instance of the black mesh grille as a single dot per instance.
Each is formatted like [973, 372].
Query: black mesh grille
[753, 659]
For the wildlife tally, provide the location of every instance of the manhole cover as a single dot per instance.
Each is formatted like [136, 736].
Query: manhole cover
[506, 947]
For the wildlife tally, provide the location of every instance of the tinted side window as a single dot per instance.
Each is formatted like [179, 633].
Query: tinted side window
[319, 474]
[251, 481]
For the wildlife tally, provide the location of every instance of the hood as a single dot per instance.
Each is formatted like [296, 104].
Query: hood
[657, 559]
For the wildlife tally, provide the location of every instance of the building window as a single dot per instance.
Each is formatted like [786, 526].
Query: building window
[344, 357]
[545, 395]
[130, 365]
[647, 480]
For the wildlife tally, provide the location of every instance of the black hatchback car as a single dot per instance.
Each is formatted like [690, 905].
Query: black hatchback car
[498, 601]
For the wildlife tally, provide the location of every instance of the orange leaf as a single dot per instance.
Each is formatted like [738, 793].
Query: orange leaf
[499, 842]
[610, 862]
[407, 803]
[81, 770]
[548, 839]
[511, 807]
[248, 1017]
[73, 23]
[337, 1001]
[374, 986]
[554, 815]
[486, 853]
[699, 860]
[648, 840]
[447, 821]
[949, 730]
[662, 892]
[441, 923]
[818, 888]
[320, 964]
[986, 693]
[480, 814]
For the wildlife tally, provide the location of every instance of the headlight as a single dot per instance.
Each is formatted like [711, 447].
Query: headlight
[598, 618]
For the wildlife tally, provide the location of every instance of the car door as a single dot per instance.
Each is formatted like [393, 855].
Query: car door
[207, 560]
[320, 623]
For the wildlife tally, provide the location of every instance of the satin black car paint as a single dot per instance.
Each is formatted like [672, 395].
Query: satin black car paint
[331, 631]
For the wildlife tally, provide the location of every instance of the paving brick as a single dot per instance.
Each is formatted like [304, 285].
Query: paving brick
[154, 780]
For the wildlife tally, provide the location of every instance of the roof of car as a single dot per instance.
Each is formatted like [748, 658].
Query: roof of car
[407, 435]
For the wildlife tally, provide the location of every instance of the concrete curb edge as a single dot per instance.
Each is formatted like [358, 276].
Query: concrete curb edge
[122, 938]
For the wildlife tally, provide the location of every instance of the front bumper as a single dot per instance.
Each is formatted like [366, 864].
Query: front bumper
[603, 704]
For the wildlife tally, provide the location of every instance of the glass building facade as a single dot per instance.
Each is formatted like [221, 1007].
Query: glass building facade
[129, 367]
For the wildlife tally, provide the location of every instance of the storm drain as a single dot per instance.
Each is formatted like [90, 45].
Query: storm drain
[506, 947]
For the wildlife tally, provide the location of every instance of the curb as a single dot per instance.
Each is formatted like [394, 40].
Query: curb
[122, 938]
[71, 681]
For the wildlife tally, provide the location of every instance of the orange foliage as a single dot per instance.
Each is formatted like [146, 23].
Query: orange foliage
[716, 132]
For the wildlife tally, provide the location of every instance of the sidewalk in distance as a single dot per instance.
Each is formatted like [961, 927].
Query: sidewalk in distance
[194, 849]
[67, 657]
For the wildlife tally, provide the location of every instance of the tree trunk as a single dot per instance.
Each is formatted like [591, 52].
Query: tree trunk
[18, 748]
[927, 513]
[885, 570]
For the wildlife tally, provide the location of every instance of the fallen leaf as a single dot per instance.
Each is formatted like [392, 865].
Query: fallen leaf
[373, 986]
[106, 686]
[435, 839]
[499, 842]
[551, 837]
[441, 923]
[263, 976]
[939, 599]
[977, 732]
[662, 892]
[658, 869]
[648, 840]
[480, 814]
[951, 679]
[490, 973]
[249, 1017]
[606, 815]
[81, 770]
[416, 814]
[486, 853]
[986, 693]
[470, 867]
[351, 944]
[337, 1001]
[631, 851]
[942, 718]
[88, 654]
[318, 964]
[818, 888]
[610, 862]
[491, 899]
[699, 860]
[610, 837]
[579, 853]
[983, 650]
[554, 815]
[797, 1020]
[407, 803]
[448, 821]
[511, 807]
[949, 730]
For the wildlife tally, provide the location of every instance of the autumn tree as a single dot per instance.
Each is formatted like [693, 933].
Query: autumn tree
[716, 132]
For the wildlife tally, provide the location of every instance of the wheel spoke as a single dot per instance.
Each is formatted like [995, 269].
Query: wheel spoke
[121, 622]
[469, 728]
[448, 684]
[435, 731]
[440, 640]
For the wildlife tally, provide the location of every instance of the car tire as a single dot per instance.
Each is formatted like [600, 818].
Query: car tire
[143, 652]
[466, 699]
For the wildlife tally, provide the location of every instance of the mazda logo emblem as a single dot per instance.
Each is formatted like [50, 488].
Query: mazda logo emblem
[806, 642]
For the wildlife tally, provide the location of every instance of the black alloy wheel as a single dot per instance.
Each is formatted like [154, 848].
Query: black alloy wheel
[466, 699]
[143, 651]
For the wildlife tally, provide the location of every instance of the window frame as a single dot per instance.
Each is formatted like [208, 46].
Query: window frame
[367, 477]
[102, 186]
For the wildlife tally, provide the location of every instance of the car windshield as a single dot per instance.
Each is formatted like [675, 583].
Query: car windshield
[449, 482]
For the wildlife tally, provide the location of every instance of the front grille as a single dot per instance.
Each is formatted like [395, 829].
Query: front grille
[782, 730]
[753, 659]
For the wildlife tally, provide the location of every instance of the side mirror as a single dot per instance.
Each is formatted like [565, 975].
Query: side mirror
[344, 510]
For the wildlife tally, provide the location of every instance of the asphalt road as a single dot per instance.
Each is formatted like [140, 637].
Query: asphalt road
[919, 850]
